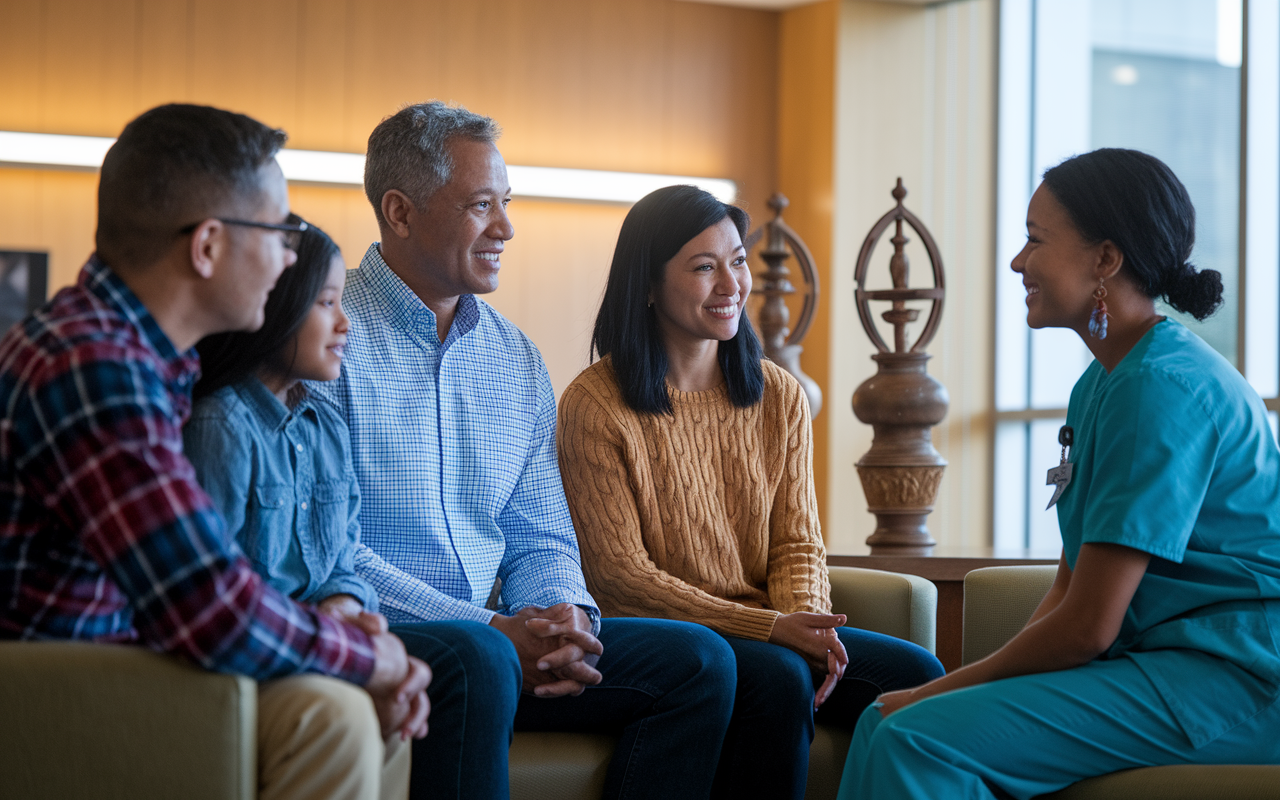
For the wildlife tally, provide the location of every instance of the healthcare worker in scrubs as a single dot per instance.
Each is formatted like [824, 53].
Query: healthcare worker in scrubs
[1157, 643]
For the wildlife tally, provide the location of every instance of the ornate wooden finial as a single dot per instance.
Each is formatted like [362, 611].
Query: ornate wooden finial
[901, 472]
[781, 343]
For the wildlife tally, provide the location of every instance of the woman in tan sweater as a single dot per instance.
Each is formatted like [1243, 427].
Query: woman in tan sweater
[687, 461]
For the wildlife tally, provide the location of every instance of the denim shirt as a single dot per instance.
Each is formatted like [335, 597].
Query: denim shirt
[283, 480]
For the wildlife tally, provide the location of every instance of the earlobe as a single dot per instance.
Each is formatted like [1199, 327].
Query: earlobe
[396, 209]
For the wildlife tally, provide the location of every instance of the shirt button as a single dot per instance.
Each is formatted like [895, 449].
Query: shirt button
[299, 448]
[304, 505]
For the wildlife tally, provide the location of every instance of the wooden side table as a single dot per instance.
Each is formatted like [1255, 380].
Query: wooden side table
[946, 567]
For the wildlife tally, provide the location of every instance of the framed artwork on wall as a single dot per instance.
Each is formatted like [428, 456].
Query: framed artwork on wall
[24, 281]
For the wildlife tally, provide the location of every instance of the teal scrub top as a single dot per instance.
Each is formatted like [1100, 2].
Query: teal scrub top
[1174, 456]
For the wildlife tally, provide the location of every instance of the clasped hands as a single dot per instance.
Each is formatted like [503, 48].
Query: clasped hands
[399, 683]
[556, 648]
[814, 637]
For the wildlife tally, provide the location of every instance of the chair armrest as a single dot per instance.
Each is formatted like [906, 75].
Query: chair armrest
[998, 601]
[905, 606]
[107, 721]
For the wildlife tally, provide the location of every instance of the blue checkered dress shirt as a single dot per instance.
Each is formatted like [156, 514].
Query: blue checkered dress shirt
[454, 449]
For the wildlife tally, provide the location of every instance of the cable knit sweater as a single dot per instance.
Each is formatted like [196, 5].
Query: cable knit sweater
[708, 515]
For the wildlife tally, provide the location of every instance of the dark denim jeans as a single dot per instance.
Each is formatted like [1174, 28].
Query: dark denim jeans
[667, 694]
[766, 751]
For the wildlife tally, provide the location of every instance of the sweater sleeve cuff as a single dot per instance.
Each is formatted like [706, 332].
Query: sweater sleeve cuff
[749, 623]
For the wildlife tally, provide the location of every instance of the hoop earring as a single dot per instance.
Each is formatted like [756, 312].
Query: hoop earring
[1098, 317]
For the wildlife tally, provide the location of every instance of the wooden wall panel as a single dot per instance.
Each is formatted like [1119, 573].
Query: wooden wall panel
[806, 154]
[641, 85]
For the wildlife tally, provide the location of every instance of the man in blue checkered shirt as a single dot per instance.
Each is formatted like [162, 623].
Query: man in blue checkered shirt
[452, 420]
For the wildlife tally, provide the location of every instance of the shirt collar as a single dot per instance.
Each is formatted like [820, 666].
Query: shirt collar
[405, 310]
[268, 409]
[101, 281]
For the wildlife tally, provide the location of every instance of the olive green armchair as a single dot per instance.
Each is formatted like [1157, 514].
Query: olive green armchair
[998, 601]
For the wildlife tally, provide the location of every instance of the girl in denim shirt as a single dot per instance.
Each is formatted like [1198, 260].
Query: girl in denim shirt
[276, 461]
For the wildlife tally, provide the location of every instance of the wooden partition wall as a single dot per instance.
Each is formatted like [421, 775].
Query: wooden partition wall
[637, 85]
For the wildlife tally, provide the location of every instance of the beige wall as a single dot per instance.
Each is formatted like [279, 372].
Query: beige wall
[915, 98]
[641, 85]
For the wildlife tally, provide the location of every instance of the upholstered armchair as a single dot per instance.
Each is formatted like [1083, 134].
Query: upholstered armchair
[110, 721]
[998, 601]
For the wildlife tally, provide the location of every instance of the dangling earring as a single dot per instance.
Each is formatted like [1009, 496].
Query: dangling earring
[1098, 317]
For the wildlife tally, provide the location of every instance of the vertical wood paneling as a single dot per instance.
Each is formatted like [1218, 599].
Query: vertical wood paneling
[98, 40]
[806, 131]
[243, 56]
[22, 65]
[162, 66]
[642, 85]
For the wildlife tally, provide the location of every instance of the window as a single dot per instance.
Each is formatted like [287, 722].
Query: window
[1195, 83]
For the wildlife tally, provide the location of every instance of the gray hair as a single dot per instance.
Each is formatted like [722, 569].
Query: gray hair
[407, 151]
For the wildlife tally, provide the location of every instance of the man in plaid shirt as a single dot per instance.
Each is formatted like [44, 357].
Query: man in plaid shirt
[105, 534]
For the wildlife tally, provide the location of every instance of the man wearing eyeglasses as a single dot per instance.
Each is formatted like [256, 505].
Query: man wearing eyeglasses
[105, 534]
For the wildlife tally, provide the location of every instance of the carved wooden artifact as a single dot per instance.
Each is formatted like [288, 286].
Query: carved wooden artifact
[781, 343]
[901, 472]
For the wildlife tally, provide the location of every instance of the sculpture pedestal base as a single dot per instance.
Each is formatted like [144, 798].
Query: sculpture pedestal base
[901, 498]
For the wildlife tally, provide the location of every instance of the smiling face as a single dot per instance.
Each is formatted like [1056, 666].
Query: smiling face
[1059, 269]
[458, 237]
[318, 344]
[704, 288]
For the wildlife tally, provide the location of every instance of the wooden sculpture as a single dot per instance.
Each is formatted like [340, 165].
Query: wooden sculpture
[781, 343]
[901, 472]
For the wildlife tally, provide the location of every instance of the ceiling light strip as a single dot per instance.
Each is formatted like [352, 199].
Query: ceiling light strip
[347, 169]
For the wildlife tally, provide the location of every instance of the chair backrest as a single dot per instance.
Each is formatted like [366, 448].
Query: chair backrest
[998, 601]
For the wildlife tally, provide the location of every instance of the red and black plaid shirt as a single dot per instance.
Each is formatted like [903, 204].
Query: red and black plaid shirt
[104, 533]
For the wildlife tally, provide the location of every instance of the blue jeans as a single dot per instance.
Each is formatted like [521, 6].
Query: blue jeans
[667, 694]
[766, 751]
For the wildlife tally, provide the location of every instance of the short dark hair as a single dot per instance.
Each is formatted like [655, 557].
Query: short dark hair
[408, 150]
[1134, 200]
[626, 330]
[227, 358]
[174, 165]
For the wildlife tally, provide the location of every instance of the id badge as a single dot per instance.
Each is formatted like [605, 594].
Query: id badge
[1060, 478]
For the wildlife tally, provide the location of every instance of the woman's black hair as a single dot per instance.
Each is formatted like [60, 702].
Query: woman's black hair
[626, 329]
[227, 358]
[1136, 202]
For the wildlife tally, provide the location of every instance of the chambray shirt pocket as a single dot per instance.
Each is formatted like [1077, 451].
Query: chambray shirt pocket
[265, 536]
[329, 520]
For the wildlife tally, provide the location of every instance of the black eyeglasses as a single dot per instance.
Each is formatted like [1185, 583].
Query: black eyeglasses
[292, 230]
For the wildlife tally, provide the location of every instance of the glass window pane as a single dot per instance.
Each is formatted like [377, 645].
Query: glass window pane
[1010, 507]
[1166, 80]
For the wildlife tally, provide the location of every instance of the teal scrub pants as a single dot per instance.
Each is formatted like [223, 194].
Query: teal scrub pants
[1038, 733]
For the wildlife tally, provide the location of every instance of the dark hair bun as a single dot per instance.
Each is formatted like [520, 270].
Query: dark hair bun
[1194, 292]
[1135, 201]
